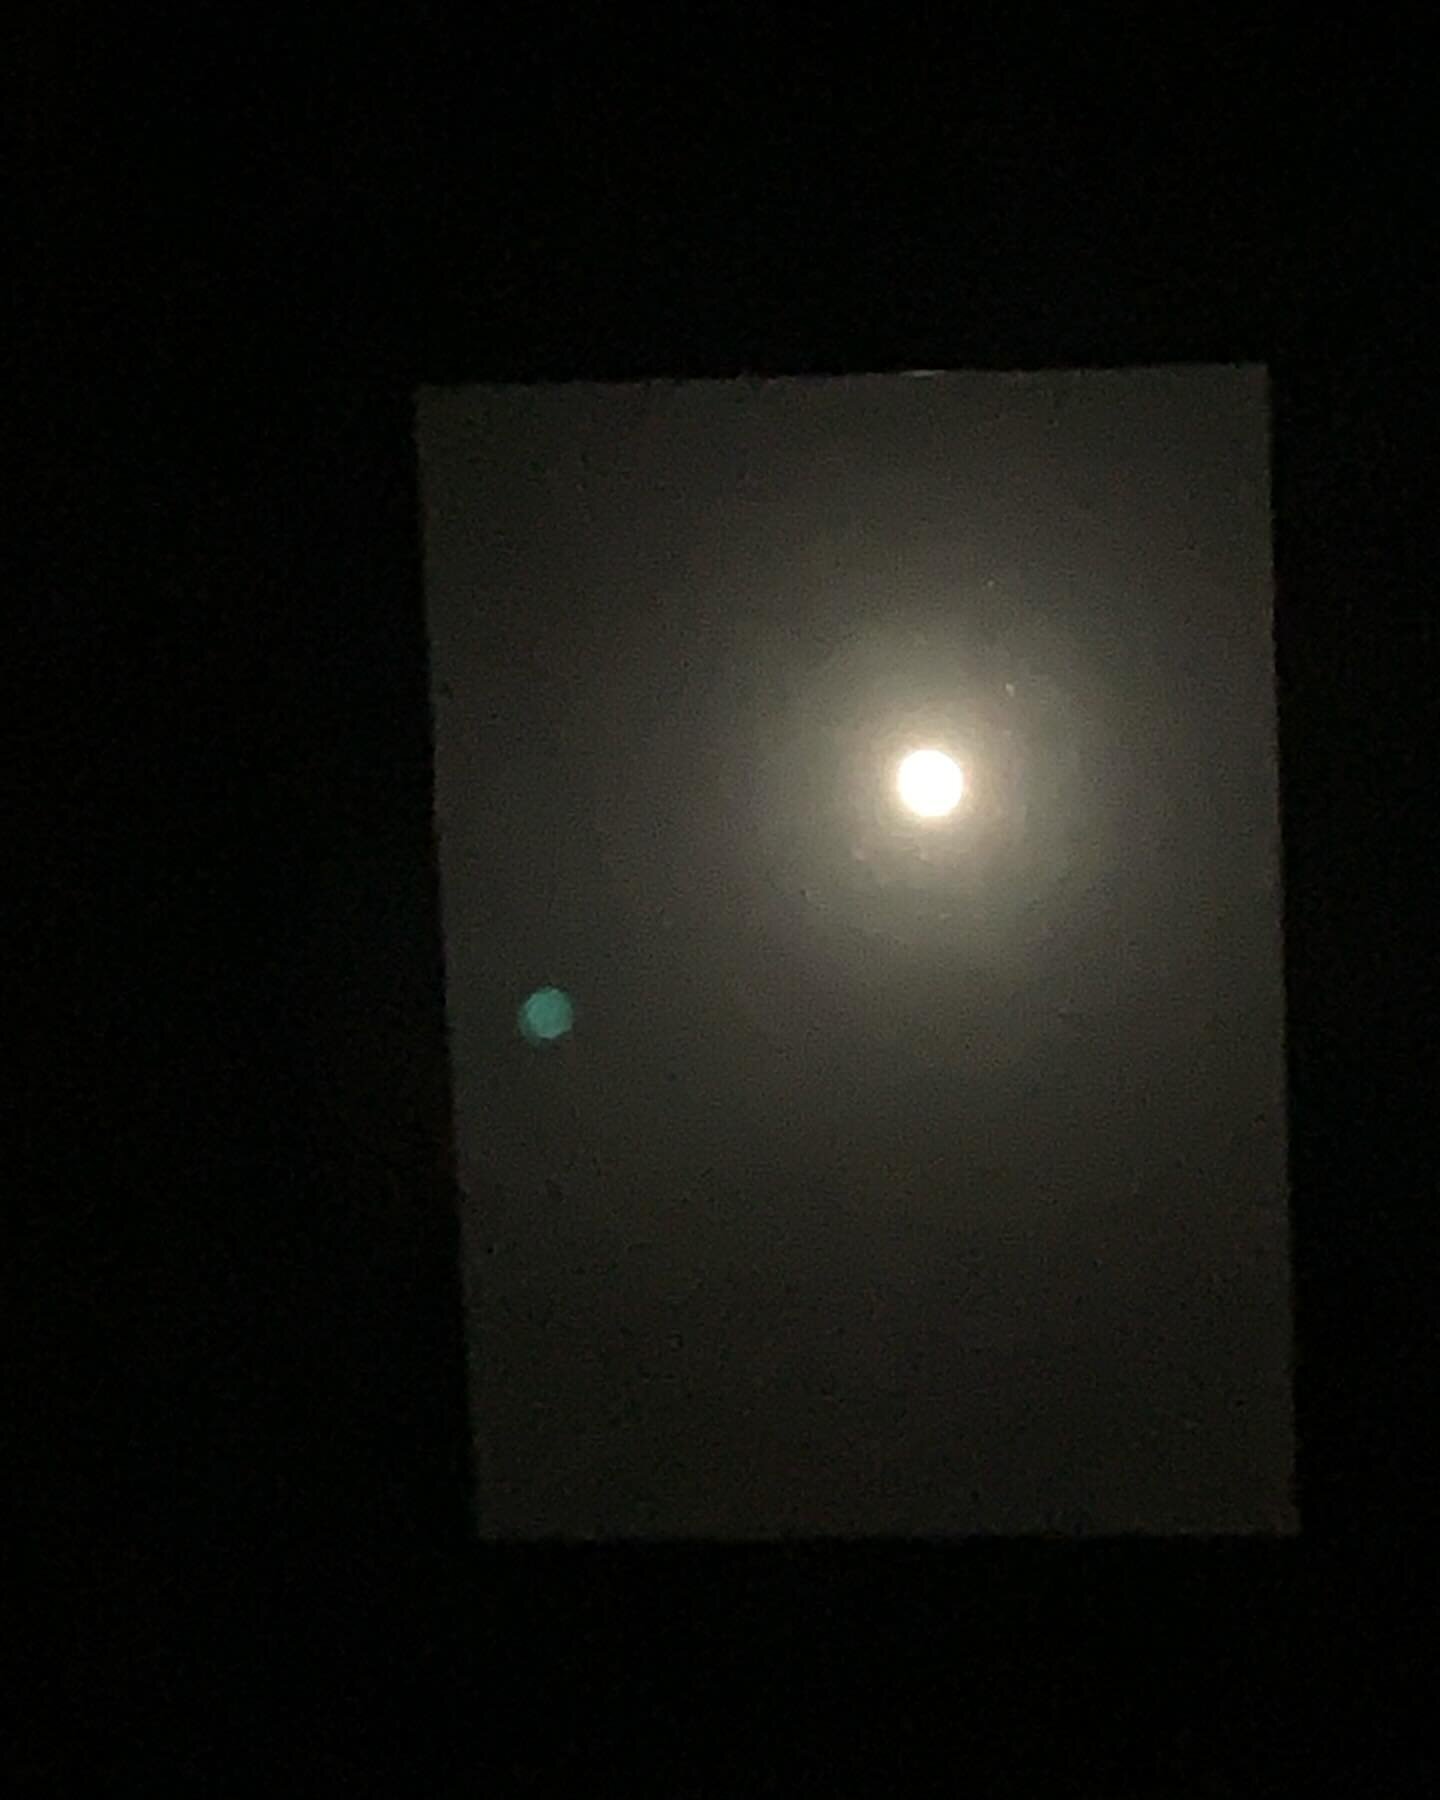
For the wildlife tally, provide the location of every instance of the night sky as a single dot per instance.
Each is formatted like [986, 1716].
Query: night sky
[888, 1178]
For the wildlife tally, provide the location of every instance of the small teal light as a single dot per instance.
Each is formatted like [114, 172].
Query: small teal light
[546, 1015]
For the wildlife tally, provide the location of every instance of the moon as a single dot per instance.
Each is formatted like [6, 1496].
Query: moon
[930, 783]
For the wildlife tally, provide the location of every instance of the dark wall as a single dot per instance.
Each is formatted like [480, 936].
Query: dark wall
[242, 1469]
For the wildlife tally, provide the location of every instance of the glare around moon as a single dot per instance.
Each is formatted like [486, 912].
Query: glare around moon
[930, 783]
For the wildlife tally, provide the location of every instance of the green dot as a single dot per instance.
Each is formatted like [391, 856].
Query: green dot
[546, 1015]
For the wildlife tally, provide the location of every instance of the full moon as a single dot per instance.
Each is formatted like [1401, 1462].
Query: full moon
[930, 783]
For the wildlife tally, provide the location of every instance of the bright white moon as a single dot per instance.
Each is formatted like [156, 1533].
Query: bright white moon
[931, 783]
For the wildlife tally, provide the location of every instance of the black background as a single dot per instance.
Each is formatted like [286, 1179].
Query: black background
[241, 1521]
